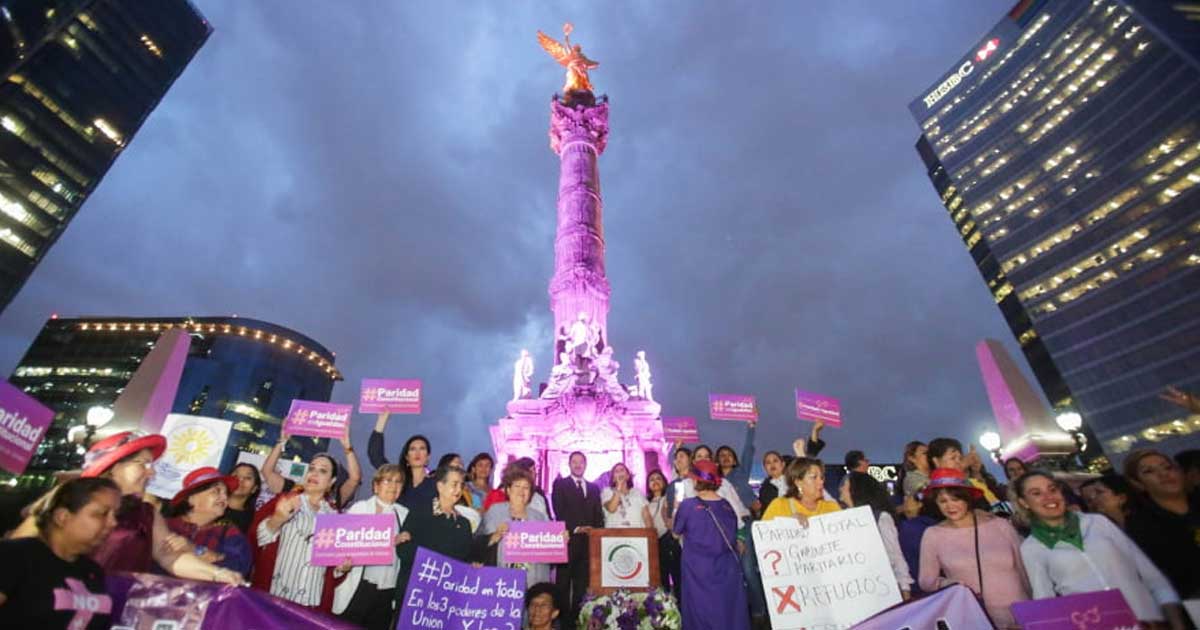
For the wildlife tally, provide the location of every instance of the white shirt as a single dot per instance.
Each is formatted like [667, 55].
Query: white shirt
[658, 514]
[891, 544]
[1109, 560]
[294, 578]
[580, 483]
[629, 510]
[687, 488]
[382, 576]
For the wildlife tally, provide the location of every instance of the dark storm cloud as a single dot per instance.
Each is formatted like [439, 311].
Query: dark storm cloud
[378, 178]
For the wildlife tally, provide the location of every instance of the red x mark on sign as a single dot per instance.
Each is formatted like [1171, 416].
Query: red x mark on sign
[785, 598]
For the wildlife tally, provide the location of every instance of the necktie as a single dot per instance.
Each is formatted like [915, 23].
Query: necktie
[579, 482]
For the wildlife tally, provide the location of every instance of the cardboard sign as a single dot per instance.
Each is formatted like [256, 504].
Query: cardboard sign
[1098, 610]
[536, 541]
[680, 430]
[317, 419]
[362, 539]
[192, 442]
[732, 407]
[446, 593]
[390, 395]
[818, 408]
[832, 574]
[23, 424]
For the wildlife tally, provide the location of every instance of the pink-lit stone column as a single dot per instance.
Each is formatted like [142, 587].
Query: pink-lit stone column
[578, 134]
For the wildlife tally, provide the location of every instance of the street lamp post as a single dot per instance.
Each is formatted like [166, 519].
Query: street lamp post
[1072, 422]
[991, 442]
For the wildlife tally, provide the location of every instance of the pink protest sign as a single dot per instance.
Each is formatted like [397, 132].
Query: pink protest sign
[680, 430]
[318, 419]
[1098, 610]
[23, 423]
[536, 541]
[361, 538]
[390, 395]
[732, 407]
[818, 408]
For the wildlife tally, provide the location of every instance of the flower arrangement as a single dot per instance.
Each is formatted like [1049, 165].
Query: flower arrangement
[631, 610]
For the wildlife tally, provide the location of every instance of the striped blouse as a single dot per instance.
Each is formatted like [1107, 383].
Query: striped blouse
[295, 579]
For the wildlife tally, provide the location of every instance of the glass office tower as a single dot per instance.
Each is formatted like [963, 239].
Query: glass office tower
[80, 78]
[238, 369]
[1065, 145]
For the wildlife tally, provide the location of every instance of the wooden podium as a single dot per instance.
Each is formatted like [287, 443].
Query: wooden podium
[623, 559]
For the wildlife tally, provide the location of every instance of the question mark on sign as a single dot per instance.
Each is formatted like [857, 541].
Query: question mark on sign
[776, 561]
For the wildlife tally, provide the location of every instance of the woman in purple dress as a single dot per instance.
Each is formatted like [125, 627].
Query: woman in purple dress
[715, 598]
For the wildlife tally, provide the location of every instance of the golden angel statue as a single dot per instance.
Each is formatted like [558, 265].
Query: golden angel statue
[572, 57]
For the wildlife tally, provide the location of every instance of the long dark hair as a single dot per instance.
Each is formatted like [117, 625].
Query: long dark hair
[335, 489]
[864, 490]
[408, 479]
[650, 477]
[251, 500]
[475, 461]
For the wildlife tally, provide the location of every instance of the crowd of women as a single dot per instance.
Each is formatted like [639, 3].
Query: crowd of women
[946, 521]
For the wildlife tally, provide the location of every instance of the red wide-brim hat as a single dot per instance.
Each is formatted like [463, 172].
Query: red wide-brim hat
[112, 449]
[705, 471]
[200, 478]
[949, 478]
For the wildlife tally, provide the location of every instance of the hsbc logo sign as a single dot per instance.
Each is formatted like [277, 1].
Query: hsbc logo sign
[961, 73]
[987, 50]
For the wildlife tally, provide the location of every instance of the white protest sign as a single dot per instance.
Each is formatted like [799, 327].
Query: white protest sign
[192, 442]
[827, 576]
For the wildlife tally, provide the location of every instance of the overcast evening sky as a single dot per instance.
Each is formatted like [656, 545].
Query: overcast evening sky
[377, 175]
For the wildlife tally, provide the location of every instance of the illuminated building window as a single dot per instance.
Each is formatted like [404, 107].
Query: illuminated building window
[15, 126]
[17, 212]
[1027, 336]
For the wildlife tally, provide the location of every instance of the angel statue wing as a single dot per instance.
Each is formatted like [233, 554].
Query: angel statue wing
[560, 52]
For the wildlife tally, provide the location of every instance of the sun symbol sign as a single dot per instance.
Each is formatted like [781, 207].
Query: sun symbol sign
[191, 445]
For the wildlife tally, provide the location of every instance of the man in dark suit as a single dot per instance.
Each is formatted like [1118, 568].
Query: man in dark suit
[576, 502]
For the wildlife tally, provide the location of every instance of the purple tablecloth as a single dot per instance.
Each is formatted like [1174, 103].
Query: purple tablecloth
[141, 599]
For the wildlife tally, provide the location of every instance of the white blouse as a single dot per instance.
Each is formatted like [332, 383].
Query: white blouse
[658, 514]
[1109, 559]
[294, 579]
[629, 510]
[891, 544]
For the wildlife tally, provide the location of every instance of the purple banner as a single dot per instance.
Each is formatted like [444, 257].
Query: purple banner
[390, 395]
[1099, 610]
[732, 407]
[145, 601]
[23, 423]
[954, 606]
[446, 593]
[680, 430]
[317, 419]
[818, 408]
[359, 538]
[536, 541]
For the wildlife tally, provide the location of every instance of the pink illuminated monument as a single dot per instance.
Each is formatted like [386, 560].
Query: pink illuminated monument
[584, 406]
[1027, 429]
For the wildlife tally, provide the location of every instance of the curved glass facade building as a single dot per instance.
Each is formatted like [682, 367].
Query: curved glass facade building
[242, 370]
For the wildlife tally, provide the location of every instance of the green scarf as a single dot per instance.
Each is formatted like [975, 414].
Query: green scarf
[1068, 533]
